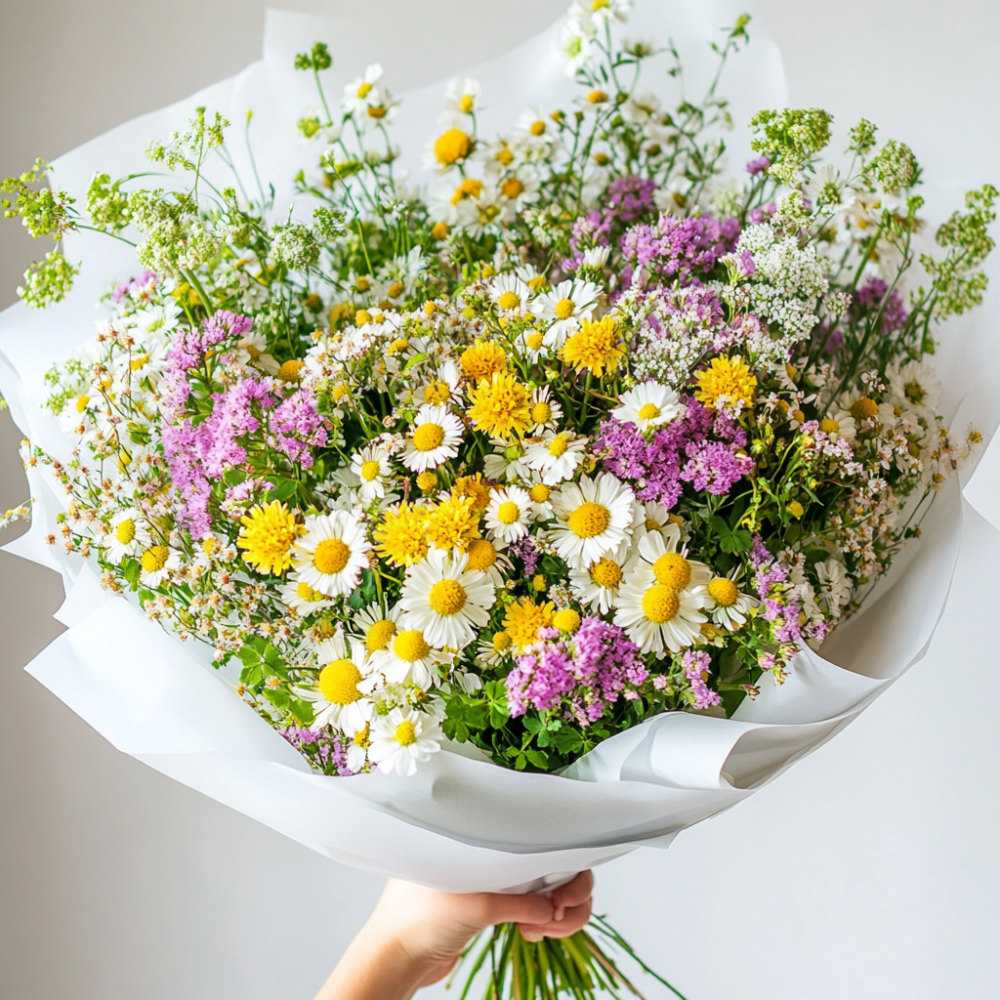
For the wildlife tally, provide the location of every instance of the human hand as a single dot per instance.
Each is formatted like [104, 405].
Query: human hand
[416, 935]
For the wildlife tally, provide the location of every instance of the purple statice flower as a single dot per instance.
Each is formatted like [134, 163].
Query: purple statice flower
[870, 296]
[677, 248]
[299, 426]
[697, 665]
[527, 551]
[630, 198]
[138, 289]
[703, 448]
[330, 752]
[758, 166]
[541, 676]
[758, 215]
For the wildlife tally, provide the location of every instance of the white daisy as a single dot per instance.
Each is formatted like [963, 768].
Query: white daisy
[252, 349]
[363, 92]
[834, 586]
[483, 556]
[494, 650]
[510, 294]
[129, 535]
[839, 424]
[540, 494]
[648, 405]
[332, 554]
[603, 11]
[299, 595]
[519, 189]
[461, 100]
[340, 696]
[372, 467]
[402, 739]
[442, 388]
[653, 516]
[357, 751]
[555, 456]
[656, 616]
[728, 605]
[158, 562]
[669, 566]
[409, 658]
[545, 412]
[597, 585]
[565, 306]
[576, 46]
[596, 257]
[437, 433]
[594, 517]
[508, 515]
[377, 626]
[446, 600]
[914, 387]
[505, 462]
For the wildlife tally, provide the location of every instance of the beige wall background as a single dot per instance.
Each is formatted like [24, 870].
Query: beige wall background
[868, 871]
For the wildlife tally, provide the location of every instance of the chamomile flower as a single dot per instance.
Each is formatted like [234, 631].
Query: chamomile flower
[565, 307]
[518, 189]
[409, 658]
[332, 554]
[510, 294]
[339, 698]
[545, 411]
[658, 617]
[251, 348]
[839, 424]
[834, 586]
[670, 567]
[367, 101]
[555, 456]
[727, 604]
[594, 518]
[540, 495]
[914, 387]
[647, 405]
[652, 516]
[461, 99]
[442, 388]
[128, 536]
[505, 462]
[602, 12]
[357, 750]
[377, 626]
[374, 470]
[157, 563]
[402, 739]
[437, 433]
[483, 556]
[508, 515]
[596, 586]
[298, 595]
[576, 46]
[534, 133]
[446, 600]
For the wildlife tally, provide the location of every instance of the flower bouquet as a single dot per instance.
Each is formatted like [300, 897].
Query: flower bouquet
[566, 465]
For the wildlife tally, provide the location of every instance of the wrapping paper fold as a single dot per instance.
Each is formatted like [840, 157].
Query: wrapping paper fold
[462, 823]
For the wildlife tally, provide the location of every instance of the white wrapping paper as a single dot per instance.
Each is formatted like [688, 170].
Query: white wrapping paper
[462, 823]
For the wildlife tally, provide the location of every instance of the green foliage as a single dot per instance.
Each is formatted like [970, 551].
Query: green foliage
[318, 59]
[790, 138]
[107, 204]
[49, 281]
[44, 212]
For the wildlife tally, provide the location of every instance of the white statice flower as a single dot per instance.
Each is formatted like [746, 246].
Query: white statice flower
[373, 468]
[565, 306]
[341, 697]
[555, 456]
[128, 535]
[332, 554]
[510, 293]
[545, 412]
[576, 46]
[446, 600]
[594, 518]
[647, 405]
[728, 606]
[402, 739]
[437, 433]
[834, 586]
[298, 595]
[597, 585]
[914, 387]
[376, 626]
[508, 515]
[656, 616]
[158, 563]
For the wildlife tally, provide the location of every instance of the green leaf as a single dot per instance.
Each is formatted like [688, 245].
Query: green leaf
[283, 489]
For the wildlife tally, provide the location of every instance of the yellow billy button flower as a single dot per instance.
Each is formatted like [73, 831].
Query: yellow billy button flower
[539, 583]
[427, 481]
[500, 406]
[596, 347]
[338, 682]
[525, 618]
[291, 371]
[726, 383]
[566, 620]
[268, 534]
[483, 360]
[452, 146]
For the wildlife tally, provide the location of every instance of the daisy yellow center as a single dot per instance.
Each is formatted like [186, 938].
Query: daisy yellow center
[447, 597]
[606, 573]
[370, 470]
[652, 524]
[723, 591]
[501, 641]
[331, 556]
[362, 317]
[564, 308]
[728, 380]
[139, 362]
[395, 290]
[537, 127]
[410, 646]
[364, 90]
[437, 393]
[362, 283]
[660, 603]
[254, 352]
[534, 341]
[599, 5]
[541, 412]
[558, 446]
[864, 409]
[440, 230]
[427, 437]
[379, 635]
[540, 493]
[509, 300]
[305, 593]
[566, 620]
[406, 733]
[589, 520]
[452, 146]
[338, 682]
[155, 558]
[81, 403]
[466, 104]
[673, 570]
[125, 532]
[511, 187]
[482, 554]
[471, 187]
[828, 426]
[291, 370]
[377, 111]
[505, 156]
[399, 344]
[649, 411]
[508, 513]
[915, 392]
[597, 96]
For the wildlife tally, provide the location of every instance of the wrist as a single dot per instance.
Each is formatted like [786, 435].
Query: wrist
[376, 966]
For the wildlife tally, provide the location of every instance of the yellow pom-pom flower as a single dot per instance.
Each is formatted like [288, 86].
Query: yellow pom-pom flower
[726, 384]
[501, 406]
[268, 534]
[596, 348]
